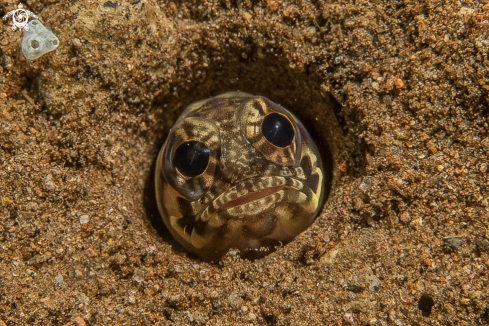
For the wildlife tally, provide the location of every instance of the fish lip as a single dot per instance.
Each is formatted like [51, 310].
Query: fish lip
[249, 197]
[250, 187]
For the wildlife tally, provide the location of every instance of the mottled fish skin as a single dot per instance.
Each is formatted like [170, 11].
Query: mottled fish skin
[283, 185]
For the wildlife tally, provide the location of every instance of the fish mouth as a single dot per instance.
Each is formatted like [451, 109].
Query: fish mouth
[265, 191]
[251, 197]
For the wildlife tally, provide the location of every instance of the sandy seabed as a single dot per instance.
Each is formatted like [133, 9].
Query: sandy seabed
[397, 89]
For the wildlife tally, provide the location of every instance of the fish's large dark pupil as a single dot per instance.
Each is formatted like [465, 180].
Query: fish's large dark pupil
[277, 130]
[191, 158]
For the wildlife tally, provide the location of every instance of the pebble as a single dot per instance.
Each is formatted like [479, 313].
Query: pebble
[366, 183]
[349, 23]
[272, 5]
[84, 219]
[235, 301]
[58, 281]
[483, 167]
[339, 59]
[31, 206]
[246, 16]
[348, 318]
[138, 276]
[373, 282]
[48, 183]
[251, 317]
[79, 321]
[482, 244]
[7, 62]
[398, 83]
[453, 242]
[310, 32]
[405, 217]
[76, 42]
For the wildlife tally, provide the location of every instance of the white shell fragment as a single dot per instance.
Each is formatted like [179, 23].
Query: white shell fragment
[37, 40]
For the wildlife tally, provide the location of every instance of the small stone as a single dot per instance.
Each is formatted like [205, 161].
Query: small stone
[48, 183]
[175, 301]
[7, 61]
[272, 5]
[39, 259]
[432, 150]
[485, 143]
[375, 86]
[311, 33]
[356, 288]
[119, 259]
[216, 305]
[342, 167]
[348, 318]
[214, 295]
[405, 217]
[373, 282]
[131, 299]
[352, 296]
[339, 59]
[398, 83]
[78, 273]
[246, 16]
[138, 276]
[483, 167]
[366, 184]
[84, 219]
[233, 253]
[58, 281]
[251, 317]
[158, 257]
[76, 42]
[357, 306]
[453, 242]
[234, 301]
[31, 273]
[349, 23]
[482, 245]
[375, 75]
[31, 206]
[78, 321]
[330, 257]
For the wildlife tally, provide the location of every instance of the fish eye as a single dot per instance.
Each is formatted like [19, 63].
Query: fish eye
[191, 158]
[278, 130]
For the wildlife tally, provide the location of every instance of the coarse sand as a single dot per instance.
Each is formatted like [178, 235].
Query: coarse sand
[398, 90]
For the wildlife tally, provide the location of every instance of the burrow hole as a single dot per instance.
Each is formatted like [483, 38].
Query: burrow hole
[297, 90]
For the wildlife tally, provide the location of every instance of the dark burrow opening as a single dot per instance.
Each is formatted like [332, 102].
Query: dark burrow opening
[297, 90]
[425, 304]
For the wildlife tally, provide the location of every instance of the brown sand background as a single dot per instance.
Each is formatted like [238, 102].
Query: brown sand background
[398, 89]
